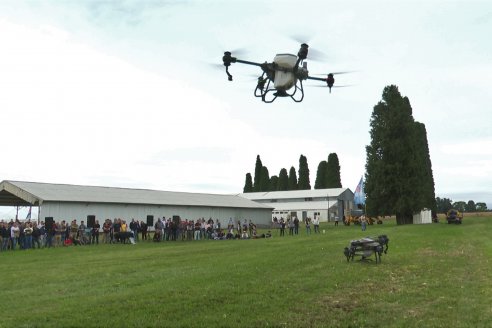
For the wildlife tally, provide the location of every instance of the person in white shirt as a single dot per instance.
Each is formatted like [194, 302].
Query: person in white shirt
[316, 224]
[14, 234]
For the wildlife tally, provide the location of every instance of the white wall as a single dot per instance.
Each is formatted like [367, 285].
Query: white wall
[80, 211]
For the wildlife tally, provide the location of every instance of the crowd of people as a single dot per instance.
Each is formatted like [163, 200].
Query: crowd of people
[293, 225]
[31, 235]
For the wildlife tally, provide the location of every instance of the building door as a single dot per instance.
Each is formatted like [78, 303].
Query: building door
[341, 209]
[304, 215]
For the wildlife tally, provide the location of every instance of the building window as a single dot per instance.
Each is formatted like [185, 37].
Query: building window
[273, 201]
[308, 199]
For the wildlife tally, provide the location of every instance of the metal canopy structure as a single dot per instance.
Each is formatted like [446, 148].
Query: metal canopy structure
[19, 193]
[11, 195]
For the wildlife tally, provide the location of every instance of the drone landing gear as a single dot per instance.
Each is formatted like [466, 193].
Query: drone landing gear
[264, 92]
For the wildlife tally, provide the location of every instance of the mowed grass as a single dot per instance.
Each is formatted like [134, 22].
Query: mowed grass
[435, 275]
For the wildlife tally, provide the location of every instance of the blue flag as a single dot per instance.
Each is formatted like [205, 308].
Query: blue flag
[359, 195]
[28, 217]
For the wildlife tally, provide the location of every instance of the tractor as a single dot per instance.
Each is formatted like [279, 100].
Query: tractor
[454, 216]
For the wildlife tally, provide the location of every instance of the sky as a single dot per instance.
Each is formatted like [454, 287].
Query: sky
[132, 93]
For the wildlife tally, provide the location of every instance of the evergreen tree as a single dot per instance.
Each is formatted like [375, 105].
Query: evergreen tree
[427, 193]
[258, 166]
[320, 182]
[283, 180]
[303, 183]
[332, 174]
[265, 180]
[273, 183]
[248, 185]
[292, 179]
[393, 164]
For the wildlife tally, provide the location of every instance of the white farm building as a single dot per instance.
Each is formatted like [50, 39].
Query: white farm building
[67, 202]
[327, 204]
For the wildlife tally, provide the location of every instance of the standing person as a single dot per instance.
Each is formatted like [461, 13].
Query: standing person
[290, 223]
[14, 235]
[73, 230]
[238, 226]
[296, 225]
[36, 234]
[182, 228]
[28, 236]
[21, 238]
[95, 233]
[42, 234]
[116, 230]
[159, 226]
[50, 235]
[82, 228]
[282, 227]
[143, 228]
[63, 232]
[202, 230]
[189, 230]
[5, 233]
[336, 220]
[316, 224]
[134, 229]
[308, 226]
[124, 226]
[198, 226]
[106, 231]
[363, 222]
[58, 233]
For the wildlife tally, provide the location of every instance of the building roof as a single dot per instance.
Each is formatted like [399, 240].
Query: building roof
[24, 193]
[302, 206]
[295, 194]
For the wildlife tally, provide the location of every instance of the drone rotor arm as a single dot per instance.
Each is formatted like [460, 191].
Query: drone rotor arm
[329, 80]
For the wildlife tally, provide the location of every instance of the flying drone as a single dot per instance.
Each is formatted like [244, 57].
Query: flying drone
[283, 77]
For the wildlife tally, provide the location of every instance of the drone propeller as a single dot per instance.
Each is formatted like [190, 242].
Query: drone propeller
[314, 54]
[334, 73]
[237, 52]
[335, 86]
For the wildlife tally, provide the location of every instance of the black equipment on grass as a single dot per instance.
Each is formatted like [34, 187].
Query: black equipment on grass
[366, 247]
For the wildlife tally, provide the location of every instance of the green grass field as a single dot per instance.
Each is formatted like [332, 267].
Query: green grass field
[435, 275]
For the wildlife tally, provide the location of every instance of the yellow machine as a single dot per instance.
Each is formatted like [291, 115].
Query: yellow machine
[454, 216]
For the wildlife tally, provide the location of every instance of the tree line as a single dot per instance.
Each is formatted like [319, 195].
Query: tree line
[445, 204]
[327, 176]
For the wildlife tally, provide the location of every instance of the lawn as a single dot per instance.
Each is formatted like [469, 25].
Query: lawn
[435, 275]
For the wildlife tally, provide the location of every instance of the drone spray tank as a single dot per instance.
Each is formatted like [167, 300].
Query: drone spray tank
[284, 72]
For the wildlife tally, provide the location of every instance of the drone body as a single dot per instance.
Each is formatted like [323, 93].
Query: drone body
[281, 78]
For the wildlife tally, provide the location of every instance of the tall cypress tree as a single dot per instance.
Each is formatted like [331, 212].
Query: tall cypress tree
[320, 182]
[393, 176]
[257, 179]
[292, 179]
[332, 175]
[427, 195]
[248, 185]
[283, 180]
[273, 183]
[265, 179]
[303, 183]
